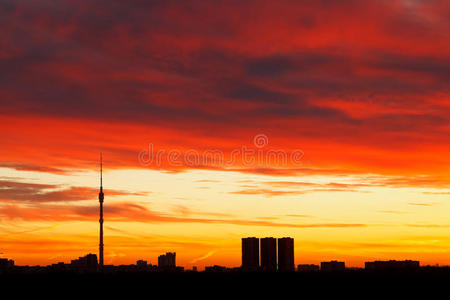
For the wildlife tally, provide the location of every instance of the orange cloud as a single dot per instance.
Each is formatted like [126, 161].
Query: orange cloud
[129, 212]
[14, 191]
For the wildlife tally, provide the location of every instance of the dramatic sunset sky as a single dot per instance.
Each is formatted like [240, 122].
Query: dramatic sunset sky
[347, 103]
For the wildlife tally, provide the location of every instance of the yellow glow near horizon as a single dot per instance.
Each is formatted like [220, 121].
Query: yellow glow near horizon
[205, 214]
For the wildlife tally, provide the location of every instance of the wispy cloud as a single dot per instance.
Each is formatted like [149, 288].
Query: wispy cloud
[274, 193]
[436, 193]
[34, 168]
[130, 212]
[15, 191]
[299, 216]
[203, 257]
[395, 212]
[423, 203]
[429, 225]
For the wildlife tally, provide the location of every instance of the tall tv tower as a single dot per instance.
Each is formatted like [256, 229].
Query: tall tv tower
[101, 196]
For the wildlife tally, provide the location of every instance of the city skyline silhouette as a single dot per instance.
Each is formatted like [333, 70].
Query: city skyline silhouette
[258, 255]
[266, 254]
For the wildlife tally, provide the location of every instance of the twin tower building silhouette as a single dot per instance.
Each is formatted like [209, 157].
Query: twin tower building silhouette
[252, 248]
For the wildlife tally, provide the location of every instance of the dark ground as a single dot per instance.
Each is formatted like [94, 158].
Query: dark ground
[429, 283]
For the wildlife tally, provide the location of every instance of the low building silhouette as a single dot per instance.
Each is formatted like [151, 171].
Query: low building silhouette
[60, 267]
[269, 254]
[286, 254]
[308, 268]
[167, 262]
[250, 254]
[392, 265]
[6, 265]
[142, 265]
[88, 263]
[332, 266]
[216, 269]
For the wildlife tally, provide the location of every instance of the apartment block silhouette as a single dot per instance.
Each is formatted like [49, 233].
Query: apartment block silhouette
[269, 254]
[250, 254]
[286, 254]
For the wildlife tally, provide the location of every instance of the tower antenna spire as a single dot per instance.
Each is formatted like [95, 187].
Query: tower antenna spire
[101, 197]
[101, 171]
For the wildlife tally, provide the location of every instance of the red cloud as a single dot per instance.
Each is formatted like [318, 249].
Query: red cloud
[358, 86]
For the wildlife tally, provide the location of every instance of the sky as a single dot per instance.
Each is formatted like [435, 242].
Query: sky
[326, 121]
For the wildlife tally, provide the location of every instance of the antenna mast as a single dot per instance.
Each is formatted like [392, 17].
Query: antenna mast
[101, 197]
